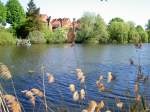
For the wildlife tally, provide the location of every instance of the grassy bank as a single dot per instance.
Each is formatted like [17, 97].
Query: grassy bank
[7, 38]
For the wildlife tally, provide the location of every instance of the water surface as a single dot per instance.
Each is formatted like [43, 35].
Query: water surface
[62, 60]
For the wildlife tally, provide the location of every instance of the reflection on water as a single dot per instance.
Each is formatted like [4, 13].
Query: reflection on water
[62, 60]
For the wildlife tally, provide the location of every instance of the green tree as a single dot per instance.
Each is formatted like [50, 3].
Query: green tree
[3, 13]
[22, 30]
[92, 29]
[31, 8]
[133, 35]
[100, 30]
[15, 13]
[86, 27]
[33, 14]
[32, 24]
[139, 28]
[143, 35]
[118, 32]
[116, 19]
[148, 32]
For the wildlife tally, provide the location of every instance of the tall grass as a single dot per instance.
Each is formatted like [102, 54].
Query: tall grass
[6, 38]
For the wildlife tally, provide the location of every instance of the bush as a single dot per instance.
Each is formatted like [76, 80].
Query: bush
[6, 38]
[47, 32]
[91, 40]
[58, 36]
[48, 35]
[22, 31]
[36, 37]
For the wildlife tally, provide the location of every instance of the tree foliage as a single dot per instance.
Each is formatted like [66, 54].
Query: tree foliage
[32, 22]
[15, 12]
[32, 16]
[100, 30]
[133, 35]
[31, 8]
[126, 32]
[143, 35]
[93, 28]
[148, 30]
[3, 13]
[118, 32]
[22, 30]
[116, 19]
[148, 33]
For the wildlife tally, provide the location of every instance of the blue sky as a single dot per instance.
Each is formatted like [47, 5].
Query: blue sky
[130, 10]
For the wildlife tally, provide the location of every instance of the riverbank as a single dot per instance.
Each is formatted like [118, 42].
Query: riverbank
[59, 36]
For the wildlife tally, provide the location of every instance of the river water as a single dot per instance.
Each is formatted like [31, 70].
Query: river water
[62, 60]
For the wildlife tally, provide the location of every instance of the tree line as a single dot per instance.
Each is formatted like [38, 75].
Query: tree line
[92, 27]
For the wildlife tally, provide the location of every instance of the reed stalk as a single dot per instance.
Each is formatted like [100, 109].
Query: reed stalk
[3, 105]
[45, 102]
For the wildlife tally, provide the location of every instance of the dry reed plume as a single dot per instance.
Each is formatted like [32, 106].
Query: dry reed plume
[14, 106]
[94, 107]
[31, 94]
[37, 92]
[76, 96]
[82, 94]
[4, 72]
[91, 108]
[51, 78]
[12, 103]
[80, 75]
[72, 88]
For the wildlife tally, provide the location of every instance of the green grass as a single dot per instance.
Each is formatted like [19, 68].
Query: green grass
[6, 38]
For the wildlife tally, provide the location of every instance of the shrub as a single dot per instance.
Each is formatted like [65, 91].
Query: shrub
[22, 30]
[6, 38]
[47, 32]
[36, 37]
[48, 35]
[58, 36]
[92, 40]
